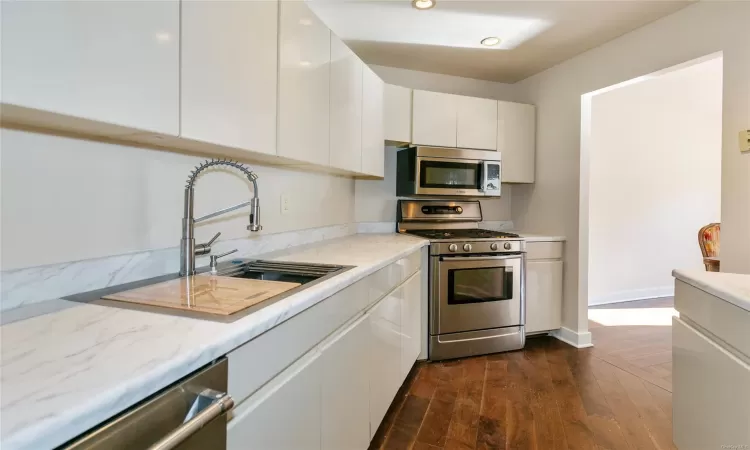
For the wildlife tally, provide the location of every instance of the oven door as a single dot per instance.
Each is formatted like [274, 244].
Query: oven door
[444, 176]
[476, 293]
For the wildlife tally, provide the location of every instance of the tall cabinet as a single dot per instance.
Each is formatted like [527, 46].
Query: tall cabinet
[304, 83]
[228, 80]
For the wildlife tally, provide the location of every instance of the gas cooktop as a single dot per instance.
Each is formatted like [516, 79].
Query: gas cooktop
[468, 233]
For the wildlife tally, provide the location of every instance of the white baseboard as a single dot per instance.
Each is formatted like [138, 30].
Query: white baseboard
[633, 294]
[570, 337]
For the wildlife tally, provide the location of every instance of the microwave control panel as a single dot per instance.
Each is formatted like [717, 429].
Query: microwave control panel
[492, 177]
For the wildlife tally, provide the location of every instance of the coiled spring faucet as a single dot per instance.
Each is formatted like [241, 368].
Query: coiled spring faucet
[188, 249]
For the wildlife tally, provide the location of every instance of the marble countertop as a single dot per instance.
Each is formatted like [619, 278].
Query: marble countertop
[732, 287]
[67, 371]
[538, 237]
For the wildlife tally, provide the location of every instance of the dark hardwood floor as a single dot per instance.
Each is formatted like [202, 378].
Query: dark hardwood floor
[616, 395]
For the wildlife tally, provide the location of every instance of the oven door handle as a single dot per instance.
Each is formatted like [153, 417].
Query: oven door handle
[481, 258]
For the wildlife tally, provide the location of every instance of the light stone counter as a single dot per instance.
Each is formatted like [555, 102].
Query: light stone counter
[731, 287]
[67, 371]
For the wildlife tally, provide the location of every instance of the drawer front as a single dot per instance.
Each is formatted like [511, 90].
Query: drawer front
[386, 279]
[544, 250]
[256, 362]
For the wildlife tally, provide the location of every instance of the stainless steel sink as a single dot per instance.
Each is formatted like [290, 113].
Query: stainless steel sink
[305, 274]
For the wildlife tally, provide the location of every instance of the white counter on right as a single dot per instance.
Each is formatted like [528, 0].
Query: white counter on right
[711, 360]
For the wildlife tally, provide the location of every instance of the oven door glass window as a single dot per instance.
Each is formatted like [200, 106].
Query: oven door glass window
[487, 284]
[443, 174]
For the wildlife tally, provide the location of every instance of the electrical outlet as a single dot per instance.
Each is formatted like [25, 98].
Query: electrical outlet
[745, 141]
[285, 204]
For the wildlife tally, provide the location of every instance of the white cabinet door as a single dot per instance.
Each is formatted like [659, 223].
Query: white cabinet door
[397, 116]
[516, 141]
[543, 295]
[346, 107]
[346, 389]
[304, 74]
[283, 415]
[711, 392]
[229, 58]
[112, 62]
[411, 323]
[385, 356]
[477, 123]
[373, 141]
[434, 118]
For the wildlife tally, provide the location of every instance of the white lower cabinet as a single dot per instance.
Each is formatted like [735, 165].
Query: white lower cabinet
[543, 295]
[711, 392]
[411, 323]
[345, 389]
[385, 356]
[336, 394]
[284, 414]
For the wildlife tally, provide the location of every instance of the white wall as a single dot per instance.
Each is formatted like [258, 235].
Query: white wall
[375, 200]
[655, 179]
[448, 84]
[66, 199]
[552, 203]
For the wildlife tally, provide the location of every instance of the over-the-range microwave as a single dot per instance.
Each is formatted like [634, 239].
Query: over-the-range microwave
[442, 171]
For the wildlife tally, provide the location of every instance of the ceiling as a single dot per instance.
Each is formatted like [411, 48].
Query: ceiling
[535, 35]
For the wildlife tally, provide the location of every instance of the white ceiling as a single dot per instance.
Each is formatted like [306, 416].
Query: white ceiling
[535, 35]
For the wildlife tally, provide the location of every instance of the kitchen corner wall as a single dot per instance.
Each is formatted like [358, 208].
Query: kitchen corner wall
[375, 201]
[66, 199]
[552, 203]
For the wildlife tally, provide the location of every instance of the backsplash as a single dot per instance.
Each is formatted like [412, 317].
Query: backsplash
[24, 287]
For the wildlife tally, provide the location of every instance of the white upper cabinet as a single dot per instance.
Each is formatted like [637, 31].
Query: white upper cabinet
[112, 62]
[516, 141]
[434, 118]
[476, 125]
[346, 107]
[397, 116]
[373, 141]
[229, 59]
[304, 78]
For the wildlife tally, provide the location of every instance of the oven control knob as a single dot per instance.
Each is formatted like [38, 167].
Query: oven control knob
[467, 247]
[507, 246]
[493, 246]
[453, 247]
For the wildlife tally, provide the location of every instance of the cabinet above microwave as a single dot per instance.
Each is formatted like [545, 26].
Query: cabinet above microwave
[439, 171]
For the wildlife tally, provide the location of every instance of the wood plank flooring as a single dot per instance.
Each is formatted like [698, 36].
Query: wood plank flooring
[616, 395]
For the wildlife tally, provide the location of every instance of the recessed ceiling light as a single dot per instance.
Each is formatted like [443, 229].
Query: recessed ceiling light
[490, 41]
[423, 4]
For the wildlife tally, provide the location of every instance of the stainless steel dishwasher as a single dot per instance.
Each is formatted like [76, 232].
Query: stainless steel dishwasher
[189, 415]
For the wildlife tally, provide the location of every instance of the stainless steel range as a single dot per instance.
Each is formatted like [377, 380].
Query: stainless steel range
[476, 292]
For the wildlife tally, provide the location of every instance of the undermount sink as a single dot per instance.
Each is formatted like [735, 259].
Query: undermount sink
[302, 273]
[305, 274]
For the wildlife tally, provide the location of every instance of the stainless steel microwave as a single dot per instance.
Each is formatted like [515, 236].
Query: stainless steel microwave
[440, 171]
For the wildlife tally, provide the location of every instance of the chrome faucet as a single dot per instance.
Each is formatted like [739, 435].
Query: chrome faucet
[188, 249]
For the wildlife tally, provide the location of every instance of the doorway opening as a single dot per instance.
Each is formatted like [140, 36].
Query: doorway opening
[650, 179]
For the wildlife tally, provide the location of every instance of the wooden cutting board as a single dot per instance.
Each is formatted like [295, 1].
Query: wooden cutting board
[205, 293]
